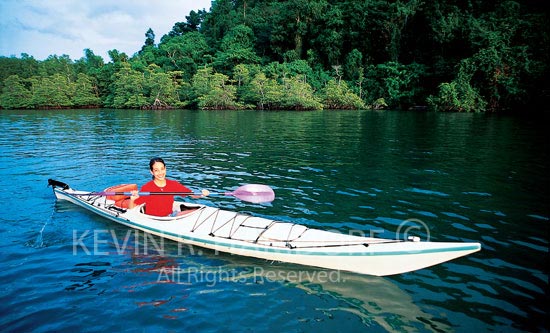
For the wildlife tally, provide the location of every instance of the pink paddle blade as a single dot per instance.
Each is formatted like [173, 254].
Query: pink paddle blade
[256, 193]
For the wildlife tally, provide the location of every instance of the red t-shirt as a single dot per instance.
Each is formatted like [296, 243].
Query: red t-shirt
[160, 205]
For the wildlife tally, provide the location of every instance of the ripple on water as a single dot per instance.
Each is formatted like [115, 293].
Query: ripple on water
[390, 174]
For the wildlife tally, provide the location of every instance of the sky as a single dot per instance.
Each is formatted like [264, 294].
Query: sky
[42, 28]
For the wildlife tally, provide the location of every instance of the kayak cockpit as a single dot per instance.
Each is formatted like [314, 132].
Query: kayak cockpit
[180, 210]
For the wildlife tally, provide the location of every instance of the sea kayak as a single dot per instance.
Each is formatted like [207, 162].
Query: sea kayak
[248, 235]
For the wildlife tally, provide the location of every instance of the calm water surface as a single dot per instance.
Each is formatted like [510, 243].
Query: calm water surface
[453, 177]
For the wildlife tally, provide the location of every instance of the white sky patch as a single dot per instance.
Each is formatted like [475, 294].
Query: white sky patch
[57, 27]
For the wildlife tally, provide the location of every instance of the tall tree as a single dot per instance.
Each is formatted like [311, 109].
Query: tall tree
[193, 23]
[149, 38]
[221, 19]
[292, 25]
[354, 71]
[400, 13]
[327, 33]
[237, 47]
[185, 53]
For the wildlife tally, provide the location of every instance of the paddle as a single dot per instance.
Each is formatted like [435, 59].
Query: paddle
[255, 193]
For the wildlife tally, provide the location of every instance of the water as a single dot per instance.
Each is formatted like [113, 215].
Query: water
[454, 177]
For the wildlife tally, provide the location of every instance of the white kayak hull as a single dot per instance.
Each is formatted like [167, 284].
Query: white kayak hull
[246, 235]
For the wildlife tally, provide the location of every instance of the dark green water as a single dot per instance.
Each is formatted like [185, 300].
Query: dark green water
[453, 177]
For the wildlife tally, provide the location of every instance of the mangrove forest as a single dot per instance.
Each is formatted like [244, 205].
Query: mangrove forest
[441, 55]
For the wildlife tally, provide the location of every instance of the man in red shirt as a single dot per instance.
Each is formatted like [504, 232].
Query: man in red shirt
[159, 205]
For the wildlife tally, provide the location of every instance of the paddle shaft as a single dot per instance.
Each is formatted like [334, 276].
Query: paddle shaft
[256, 193]
[145, 193]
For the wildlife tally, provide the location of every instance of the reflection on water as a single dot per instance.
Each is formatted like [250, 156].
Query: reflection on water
[374, 299]
[379, 303]
[86, 275]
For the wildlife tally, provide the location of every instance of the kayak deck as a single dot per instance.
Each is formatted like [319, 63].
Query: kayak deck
[253, 236]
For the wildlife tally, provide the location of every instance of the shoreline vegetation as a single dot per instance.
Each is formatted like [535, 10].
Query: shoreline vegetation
[475, 56]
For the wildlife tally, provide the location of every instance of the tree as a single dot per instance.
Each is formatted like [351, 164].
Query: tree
[117, 57]
[459, 95]
[149, 39]
[241, 73]
[194, 20]
[298, 95]
[400, 14]
[221, 19]
[85, 93]
[265, 92]
[185, 53]
[15, 95]
[25, 67]
[498, 58]
[337, 95]
[92, 62]
[127, 88]
[294, 68]
[396, 83]
[152, 88]
[53, 91]
[291, 27]
[62, 65]
[364, 29]
[354, 71]
[160, 89]
[237, 47]
[213, 90]
[466, 55]
[329, 34]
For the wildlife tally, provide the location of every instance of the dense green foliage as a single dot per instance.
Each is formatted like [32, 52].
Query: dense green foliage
[471, 56]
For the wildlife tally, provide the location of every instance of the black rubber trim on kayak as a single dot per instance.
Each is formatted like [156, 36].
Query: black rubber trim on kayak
[56, 183]
[288, 240]
[288, 236]
[241, 225]
[263, 231]
[321, 246]
[216, 227]
[260, 239]
[101, 202]
[295, 244]
[234, 218]
[197, 224]
[285, 240]
[115, 208]
[233, 230]
[300, 235]
[93, 200]
[345, 244]
[231, 233]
